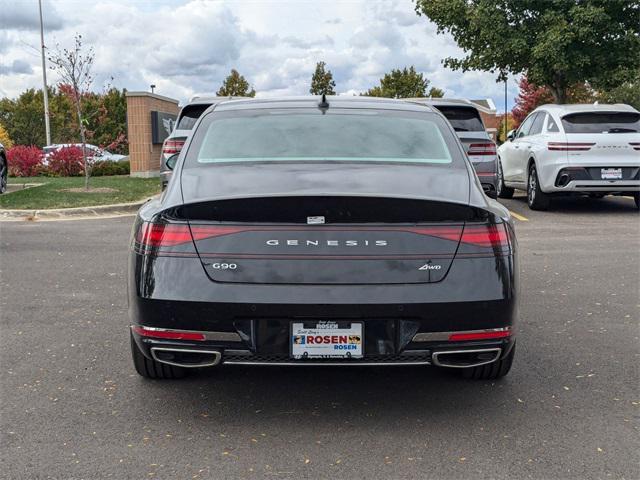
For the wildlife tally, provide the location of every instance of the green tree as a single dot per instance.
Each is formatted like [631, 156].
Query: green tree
[627, 92]
[556, 43]
[235, 85]
[405, 83]
[322, 81]
[435, 92]
[24, 118]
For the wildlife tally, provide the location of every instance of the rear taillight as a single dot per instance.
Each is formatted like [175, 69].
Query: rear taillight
[569, 146]
[172, 146]
[447, 233]
[168, 334]
[491, 236]
[157, 235]
[635, 145]
[488, 148]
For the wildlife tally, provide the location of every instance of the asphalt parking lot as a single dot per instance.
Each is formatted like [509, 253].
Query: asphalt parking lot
[71, 405]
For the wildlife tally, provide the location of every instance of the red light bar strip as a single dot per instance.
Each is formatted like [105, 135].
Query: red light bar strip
[482, 149]
[168, 334]
[463, 337]
[485, 334]
[169, 235]
[172, 146]
[569, 146]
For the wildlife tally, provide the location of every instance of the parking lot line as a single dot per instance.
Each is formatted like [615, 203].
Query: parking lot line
[518, 216]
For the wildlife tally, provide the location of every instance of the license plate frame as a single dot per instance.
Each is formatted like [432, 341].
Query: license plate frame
[611, 173]
[300, 349]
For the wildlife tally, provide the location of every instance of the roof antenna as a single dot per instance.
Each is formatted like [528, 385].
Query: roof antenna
[323, 101]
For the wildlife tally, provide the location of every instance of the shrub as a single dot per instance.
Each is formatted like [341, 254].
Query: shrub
[24, 161]
[66, 162]
[105, 168]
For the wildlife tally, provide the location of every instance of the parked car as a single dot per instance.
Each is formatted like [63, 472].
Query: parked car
[323, 231]
[467, 122]
[187, 118]
[572, 149]
[4, 169]
[96, 153]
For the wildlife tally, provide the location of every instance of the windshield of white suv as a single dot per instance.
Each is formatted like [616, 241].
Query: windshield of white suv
[309, 135]
[601, 122]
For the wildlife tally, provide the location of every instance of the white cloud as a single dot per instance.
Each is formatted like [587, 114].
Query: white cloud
[189, 46]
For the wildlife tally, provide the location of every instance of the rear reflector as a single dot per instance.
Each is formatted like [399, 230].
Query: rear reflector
[172, 146]
[488, 148]
[168, 334]
[486, 235]
[169, 235]
[486, 335]
[569, 146]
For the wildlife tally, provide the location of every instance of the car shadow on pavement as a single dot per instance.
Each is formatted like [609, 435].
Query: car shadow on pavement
[331, 394]
[605, 205]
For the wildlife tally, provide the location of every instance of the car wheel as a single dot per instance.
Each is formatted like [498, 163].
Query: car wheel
[501, 190]
[491, 371]
[536, 198]
[3, 175]
[151, 369]
[636, 197]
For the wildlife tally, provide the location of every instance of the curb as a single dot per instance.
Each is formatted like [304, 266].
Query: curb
[76, 212]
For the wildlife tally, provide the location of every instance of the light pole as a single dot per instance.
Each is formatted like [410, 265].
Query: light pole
[505, 109]
[152, 87]
[45, 92]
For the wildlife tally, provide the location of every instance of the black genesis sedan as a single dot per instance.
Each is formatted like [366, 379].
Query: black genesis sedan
[323, 231]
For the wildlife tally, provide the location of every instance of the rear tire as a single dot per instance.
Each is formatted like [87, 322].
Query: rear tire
[536, 198]
[493, 370]
[3, 174]
[152, 369]
[501, 189]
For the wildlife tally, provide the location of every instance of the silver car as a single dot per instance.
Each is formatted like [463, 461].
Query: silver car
[187, 118]
[467, 122]
[587, 149]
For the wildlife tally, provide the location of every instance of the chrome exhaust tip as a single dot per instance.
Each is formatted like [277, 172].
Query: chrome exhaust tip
[186, 358]
[465, 358]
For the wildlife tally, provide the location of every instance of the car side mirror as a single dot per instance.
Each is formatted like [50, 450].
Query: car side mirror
[171, 161]
[511, 134]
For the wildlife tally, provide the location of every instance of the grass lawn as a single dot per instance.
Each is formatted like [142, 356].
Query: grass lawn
[54, 192]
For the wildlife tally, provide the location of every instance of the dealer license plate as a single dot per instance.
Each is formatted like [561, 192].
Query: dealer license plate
[611, 173]
[326, 340]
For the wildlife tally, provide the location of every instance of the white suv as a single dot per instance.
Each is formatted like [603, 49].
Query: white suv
[572, 149]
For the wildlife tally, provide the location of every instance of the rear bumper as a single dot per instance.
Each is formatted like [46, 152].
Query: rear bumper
[250, 324]
[441, 353]
[562, 177]
[487, 173]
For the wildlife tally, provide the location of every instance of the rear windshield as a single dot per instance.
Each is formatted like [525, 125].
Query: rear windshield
[462, 119]
[189, 115]
[602, 122]
[309, 135]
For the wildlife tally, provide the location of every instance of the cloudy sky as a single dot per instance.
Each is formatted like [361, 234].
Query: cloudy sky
[187, 47]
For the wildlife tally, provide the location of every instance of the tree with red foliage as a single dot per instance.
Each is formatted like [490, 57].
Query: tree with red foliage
[24, 161]
[74, 67]
[529, 98]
